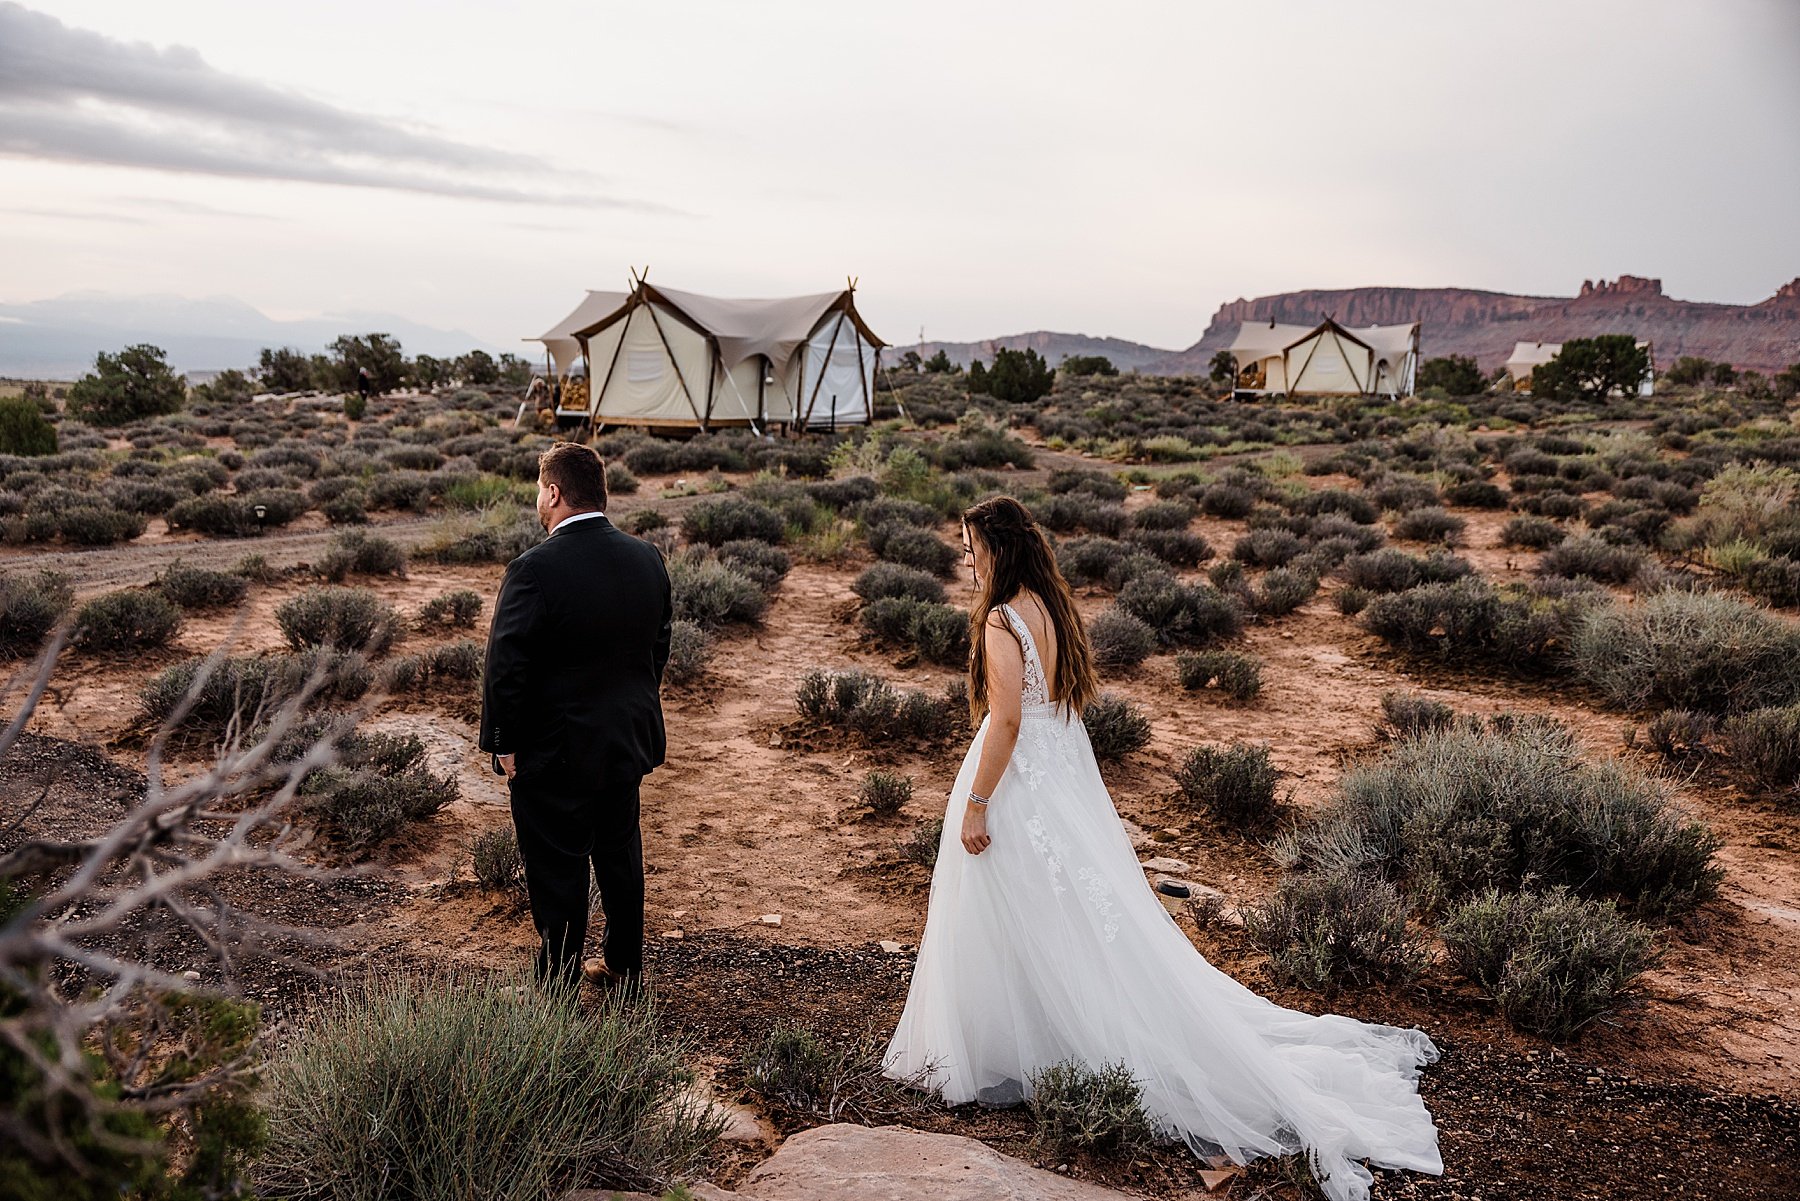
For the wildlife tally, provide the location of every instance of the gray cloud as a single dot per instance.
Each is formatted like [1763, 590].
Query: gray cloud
[75, 95]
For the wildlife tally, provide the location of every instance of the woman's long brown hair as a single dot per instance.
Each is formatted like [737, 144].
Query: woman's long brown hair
[1022, 558]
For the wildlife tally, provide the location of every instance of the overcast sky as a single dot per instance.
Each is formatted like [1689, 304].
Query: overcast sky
[984, 168]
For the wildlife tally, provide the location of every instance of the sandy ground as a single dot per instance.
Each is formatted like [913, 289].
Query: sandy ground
[745, 820]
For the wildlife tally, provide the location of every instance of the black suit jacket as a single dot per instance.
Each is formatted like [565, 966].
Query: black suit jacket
[575, 655]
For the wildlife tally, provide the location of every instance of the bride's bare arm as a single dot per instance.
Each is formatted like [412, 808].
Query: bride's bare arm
[1006, 684]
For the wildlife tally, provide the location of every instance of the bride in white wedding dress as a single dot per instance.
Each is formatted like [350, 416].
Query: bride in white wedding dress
[1044, 942]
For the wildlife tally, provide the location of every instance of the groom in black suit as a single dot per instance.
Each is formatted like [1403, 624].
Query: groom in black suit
[571, 710]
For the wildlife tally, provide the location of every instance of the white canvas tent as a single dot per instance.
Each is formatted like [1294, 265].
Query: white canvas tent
[673, 359]
[1326, 359]
[1529, 356]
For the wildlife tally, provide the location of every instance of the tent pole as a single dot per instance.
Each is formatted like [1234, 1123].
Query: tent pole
[863, 374]
[679, 378]
[595, 393]
[820, 382]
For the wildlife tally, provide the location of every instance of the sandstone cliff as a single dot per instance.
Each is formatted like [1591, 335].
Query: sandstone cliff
[1764, 336]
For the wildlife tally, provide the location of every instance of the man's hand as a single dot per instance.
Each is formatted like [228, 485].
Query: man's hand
[974, 828]
[506, 765]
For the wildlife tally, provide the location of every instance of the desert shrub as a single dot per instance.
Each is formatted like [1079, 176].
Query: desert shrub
[1098, 1111]
[200, 587]
[1088, 560]
[1181, 613]
[759, 562]
[723, 519]
[1075, 510]
[1469, 620]
[1226, 500]
[360, 553]
[98, 525]
[1178, 548]
[399, 490]
[1429, 525]
[349, 618]
[1352, 600]
[1533, 533]
[1765, 745]
[1120, 640]
[872, 709]
[1267, 547]
[1324, 929]
[1690, 650]
[885, 580]
[279, 506]
[711, 594]
[1774, 581]
[221, 516]
[885, 793]
[130, 619]
[141, 497]
[1408, 715]
[23, 430]
[845, 493]
[460, 660]
[411, 1085]
[458, 610]
[123, 387]
[31, 603]
[497, 535]
[912, 547]
[1510, 804]
[379, 783]
[939, 633]
[690, 651]
[645, 520]
[793, 1067]
[1282, 590]
[1238, 675]
[1115, 727]
[1404, 493]
[1094, 483]
[1680, 734]
[345, 509]
[213, 697]
[1235, 784]
[1391, 570]
[1164, 515]
[921, 846]
[1553, 961]
[1476, 494]
[403, 673]
[498, 865]
[1593, 559]
[255, 568]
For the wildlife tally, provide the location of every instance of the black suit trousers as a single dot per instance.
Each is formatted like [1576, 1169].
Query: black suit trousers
[565, 827]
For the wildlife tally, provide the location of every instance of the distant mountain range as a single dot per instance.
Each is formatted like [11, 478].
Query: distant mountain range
[1126, 356]
[1485, 325]
[58, 339]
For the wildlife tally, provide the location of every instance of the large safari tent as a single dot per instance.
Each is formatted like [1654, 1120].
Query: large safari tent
[1529, 356]
[660, 357]
[1326, 359]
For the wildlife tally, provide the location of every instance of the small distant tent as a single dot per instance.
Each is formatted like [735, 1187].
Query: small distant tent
[1326, 359]
[1529, 356]
[667, 358]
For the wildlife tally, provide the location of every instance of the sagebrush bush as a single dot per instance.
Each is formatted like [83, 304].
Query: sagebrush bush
[1391, 570]
[885, 580]
[1282, 590]
[723, 519]
[1476, 494]
[939, 633]
[1178, 548]
[459, 610]
[1120, 640]
[1408, 714]
[1164, 515]
[1531, 532]
[1235, 784]
[1680, 734]
[98, 525]
[1267, 547]
[913, 547]
[31, 603]
[764, 565]
[1690, 650]
[885, 793]
[1469, 620]
[1765, 745]
[1773, 581]
[128, 620]
[399, 490]
[215, 696]
[1553, 961]
[1237, 673]
[360, 553]
[497, 535]
[711, 594]
[1115, 727]
[1181, 614]
[690, 651]
[462, 660]
[380, 783]
[222, 516]
[1324, 929]
[872, 709]
[793, 1066]
[1592, 559]
[1449, 812]
[331, 616]
[1098, 1111]
[1429, 525]
[200, 587]
[498, 865]
[416, 1086]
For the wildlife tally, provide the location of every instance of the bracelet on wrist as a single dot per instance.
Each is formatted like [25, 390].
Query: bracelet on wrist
[977, 799]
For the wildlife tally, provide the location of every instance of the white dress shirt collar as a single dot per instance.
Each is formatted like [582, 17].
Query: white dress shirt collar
[573, 518]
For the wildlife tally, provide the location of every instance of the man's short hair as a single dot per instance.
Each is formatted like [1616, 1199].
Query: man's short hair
[578, 471]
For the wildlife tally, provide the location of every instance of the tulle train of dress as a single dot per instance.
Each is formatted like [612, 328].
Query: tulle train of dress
[1050, 946]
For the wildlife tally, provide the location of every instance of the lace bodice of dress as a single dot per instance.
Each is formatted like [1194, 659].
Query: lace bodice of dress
[1036, 691]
